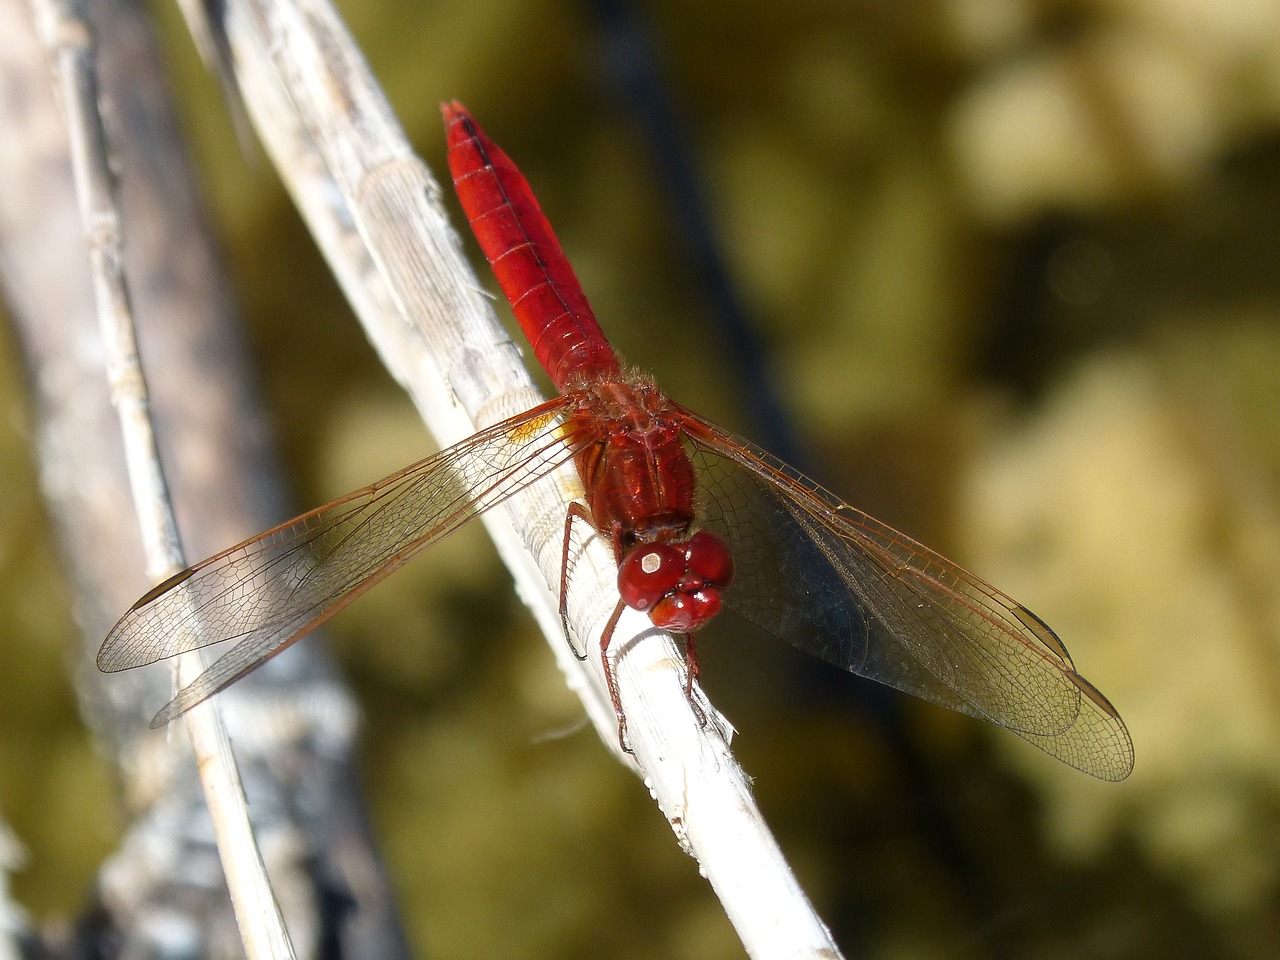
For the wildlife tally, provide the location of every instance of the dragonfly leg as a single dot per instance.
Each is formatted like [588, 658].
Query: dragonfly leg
[580, 512]
[611, 678]
[691, 676]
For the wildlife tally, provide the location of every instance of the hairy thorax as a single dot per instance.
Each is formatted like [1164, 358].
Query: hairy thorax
[636, 471]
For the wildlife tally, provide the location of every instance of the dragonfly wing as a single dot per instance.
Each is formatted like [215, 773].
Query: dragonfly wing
[841, 585]
[270, 590]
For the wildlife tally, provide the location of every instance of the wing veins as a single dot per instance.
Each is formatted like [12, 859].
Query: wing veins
[266, 641]
[965, 619]
[143, 634]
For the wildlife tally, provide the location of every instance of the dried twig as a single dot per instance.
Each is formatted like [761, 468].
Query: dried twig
[68, 38]
[292, 724]
[14, 923]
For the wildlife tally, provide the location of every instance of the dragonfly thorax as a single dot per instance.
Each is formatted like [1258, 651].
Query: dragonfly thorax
[635, 470]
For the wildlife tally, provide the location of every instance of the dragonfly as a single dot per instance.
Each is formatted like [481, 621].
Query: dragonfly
[699, 520]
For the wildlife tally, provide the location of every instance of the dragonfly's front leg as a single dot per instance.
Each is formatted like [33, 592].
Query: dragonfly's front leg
[611, 678]
[579, 511]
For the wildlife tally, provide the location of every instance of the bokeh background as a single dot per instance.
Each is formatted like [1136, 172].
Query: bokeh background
[1014, 267]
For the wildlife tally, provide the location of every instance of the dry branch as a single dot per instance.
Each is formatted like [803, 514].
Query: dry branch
[292, 725]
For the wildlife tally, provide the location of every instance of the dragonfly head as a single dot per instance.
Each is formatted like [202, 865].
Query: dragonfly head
[678, 584]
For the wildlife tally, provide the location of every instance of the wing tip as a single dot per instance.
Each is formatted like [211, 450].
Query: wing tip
[170, 712]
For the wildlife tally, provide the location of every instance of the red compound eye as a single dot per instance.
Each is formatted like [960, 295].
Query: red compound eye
[686, 612]
[707, 556]
[648, 573]
[677, 585]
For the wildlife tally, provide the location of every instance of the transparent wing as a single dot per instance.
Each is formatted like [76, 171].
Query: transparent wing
[270, 590]
[841, 585]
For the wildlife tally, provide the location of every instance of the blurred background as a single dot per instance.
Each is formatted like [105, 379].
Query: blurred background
[1010, 267]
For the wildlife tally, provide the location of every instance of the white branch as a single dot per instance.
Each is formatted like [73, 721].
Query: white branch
[14, 922]
[374, 210]
[67, 37]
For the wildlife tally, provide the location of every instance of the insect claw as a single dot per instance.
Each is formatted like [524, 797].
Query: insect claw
[622, 736]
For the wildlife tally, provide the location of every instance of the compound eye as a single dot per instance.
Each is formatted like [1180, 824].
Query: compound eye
[708, 557]
[686, 612]
[648, 573]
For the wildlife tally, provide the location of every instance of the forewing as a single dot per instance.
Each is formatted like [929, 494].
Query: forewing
[841, 585]
[270, 590]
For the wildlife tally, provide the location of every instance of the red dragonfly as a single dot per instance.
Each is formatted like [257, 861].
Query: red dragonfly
[698, 519]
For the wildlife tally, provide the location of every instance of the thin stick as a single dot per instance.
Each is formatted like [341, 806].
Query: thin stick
[67, 36]
[332, 135]
[14, 923]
